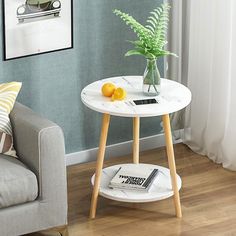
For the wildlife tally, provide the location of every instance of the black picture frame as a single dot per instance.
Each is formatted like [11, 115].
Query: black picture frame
[5, 56]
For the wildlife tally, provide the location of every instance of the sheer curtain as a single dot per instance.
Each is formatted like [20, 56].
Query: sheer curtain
[205, 39]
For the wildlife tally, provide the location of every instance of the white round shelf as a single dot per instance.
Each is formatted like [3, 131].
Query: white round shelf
[173, 97]
[160, 189]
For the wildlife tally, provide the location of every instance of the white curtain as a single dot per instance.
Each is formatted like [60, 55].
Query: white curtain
[203, 33]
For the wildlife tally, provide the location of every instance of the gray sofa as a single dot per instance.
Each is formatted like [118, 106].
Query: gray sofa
[33, 190]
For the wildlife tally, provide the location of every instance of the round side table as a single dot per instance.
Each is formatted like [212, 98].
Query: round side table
[173, 97]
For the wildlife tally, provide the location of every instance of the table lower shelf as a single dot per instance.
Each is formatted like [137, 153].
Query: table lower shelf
[160, 189]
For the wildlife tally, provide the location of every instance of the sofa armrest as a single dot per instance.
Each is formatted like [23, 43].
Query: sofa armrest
[39, 144]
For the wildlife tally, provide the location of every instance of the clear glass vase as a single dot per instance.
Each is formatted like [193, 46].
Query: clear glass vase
[151, 79]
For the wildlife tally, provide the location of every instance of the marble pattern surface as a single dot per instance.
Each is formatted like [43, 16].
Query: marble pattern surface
[173, 97]
[160, 189]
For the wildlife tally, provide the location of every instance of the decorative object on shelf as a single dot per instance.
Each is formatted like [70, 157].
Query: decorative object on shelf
[134, 177]
[110, 90]
[151, 78]
[150, 44]
[33, 27]
[119, 94]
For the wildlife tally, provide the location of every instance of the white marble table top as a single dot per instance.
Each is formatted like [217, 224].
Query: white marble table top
[173, 97]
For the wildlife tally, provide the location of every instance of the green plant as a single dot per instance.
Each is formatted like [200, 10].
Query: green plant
[152, 37]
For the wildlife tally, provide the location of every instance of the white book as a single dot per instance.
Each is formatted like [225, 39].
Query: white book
[134, 177]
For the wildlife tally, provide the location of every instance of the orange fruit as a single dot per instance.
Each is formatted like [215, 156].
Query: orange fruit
[108, 89]
[119, 94]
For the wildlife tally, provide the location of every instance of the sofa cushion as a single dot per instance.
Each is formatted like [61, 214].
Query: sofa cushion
[17, 183]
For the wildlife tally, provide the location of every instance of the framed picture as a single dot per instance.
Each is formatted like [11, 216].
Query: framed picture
[32, 27]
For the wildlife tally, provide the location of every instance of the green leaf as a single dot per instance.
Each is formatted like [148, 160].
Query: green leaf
[164, 53]
[142, 33]
[136, 43]
[150, 28]
[152, 37]
[135, 52]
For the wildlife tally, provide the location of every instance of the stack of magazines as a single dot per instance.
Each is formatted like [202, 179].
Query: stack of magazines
[134, 177]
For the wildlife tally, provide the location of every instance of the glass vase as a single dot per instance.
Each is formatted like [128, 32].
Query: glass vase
[151, 79]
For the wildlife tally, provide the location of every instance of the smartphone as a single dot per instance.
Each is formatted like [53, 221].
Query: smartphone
[142, 102]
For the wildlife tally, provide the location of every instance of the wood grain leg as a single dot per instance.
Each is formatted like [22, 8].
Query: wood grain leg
[136, 124]
[171, 161]
[99, 165]
[62, 230]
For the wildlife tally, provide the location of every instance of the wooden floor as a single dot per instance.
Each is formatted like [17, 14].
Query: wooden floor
[208, 198]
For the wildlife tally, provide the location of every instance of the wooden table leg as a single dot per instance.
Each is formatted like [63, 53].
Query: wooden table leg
[171, 161]
[136, 124]
[99, 165]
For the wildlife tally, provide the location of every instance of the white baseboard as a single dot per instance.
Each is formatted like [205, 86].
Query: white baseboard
[121, 149]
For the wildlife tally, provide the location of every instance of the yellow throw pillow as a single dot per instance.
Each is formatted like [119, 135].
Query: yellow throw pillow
[8, 94]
